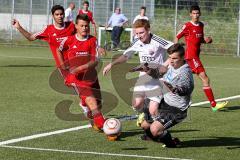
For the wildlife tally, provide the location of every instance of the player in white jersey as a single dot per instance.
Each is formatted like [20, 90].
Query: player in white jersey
[151, 49]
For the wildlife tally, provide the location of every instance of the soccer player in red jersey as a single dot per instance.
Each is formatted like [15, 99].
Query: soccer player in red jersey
[89, 14]
[82, 58]
[53, 33]
[194, 36]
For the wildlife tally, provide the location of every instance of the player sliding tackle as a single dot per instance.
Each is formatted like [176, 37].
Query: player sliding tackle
[151, 49]
[194, 36]
[82, 58]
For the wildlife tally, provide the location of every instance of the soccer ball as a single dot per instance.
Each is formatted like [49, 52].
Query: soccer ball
[112, 128]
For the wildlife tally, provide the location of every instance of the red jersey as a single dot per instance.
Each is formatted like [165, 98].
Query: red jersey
[80, 52]
[54, 36]
[194, 36]
[89, 14]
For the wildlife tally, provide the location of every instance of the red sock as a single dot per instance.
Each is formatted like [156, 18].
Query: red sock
[208, 92]
[98, 120]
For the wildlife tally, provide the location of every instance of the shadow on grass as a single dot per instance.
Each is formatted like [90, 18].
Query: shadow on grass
[125, 134]
[27, 66]
[135, 148]
[186, 130]
[229, 142]
[226, 109]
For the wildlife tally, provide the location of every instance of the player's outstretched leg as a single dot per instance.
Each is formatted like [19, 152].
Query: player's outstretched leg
[209, 93]
[138, 107]
[97, 116]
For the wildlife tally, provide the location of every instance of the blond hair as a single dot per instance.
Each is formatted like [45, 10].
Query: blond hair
[142, 23]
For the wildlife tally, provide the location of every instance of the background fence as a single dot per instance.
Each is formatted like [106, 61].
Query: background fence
[221, 18]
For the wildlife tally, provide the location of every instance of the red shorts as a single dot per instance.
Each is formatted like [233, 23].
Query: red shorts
[86, 89]
[196, 65]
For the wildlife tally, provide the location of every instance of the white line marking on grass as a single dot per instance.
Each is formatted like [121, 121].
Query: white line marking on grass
[93, 153]
[43, 135]
[221, 99]
[25, 57]
[227, 68]
[86, 126]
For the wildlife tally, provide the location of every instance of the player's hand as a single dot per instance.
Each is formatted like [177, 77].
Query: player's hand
[70, 79]
[106, 69]
[15, 23]
[168, 85]
[101, 51]
[158, 72]
[143, 68]
[208, 40]
[171, 88]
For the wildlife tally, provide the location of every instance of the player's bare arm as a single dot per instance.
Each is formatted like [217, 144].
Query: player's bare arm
[24, 32]
[95, 29]
[60, 58]
[119, 60]
[87, 66]
[175, 40]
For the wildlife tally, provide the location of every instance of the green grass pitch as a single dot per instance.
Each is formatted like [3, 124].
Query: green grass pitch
[28, 107]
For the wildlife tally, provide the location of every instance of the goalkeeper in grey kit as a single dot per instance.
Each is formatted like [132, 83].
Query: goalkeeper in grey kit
[178, 83]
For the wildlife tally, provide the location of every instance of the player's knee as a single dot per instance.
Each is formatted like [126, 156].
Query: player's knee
[156, 131]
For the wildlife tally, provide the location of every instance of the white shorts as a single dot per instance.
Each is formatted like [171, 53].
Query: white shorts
[148, 87]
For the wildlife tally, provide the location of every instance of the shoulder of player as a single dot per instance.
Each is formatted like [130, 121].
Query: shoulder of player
[135, 41]
[159, 40]
[201, 23]
[91, 37]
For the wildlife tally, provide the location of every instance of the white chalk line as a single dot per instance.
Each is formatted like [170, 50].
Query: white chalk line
[92, 153]
[88, 126]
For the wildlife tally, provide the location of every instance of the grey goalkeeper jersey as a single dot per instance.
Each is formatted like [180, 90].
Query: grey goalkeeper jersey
[182, 79]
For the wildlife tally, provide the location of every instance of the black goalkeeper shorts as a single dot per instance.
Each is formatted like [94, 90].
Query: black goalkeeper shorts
[168, 115]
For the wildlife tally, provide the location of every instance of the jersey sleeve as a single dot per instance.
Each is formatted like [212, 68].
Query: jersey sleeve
[163, 43]
[182, 32]
[43, 34]
[131, 50]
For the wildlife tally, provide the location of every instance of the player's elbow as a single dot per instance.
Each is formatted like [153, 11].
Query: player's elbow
[31, 38]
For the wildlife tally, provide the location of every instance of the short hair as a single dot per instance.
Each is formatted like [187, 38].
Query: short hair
[85, 2]
[57, 7]
[194, 7]
[143, 7]
[178, 47]
[83, 17]
[141, 23]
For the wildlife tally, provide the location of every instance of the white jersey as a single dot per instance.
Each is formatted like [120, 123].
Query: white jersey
[139, 17]
[153, 53]
[68, 15]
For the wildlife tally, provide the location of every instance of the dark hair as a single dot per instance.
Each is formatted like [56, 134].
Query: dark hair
[85, 2]
[57, 7]
[195, 7]
[143, 7]
[83, 17]
[178, 47]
